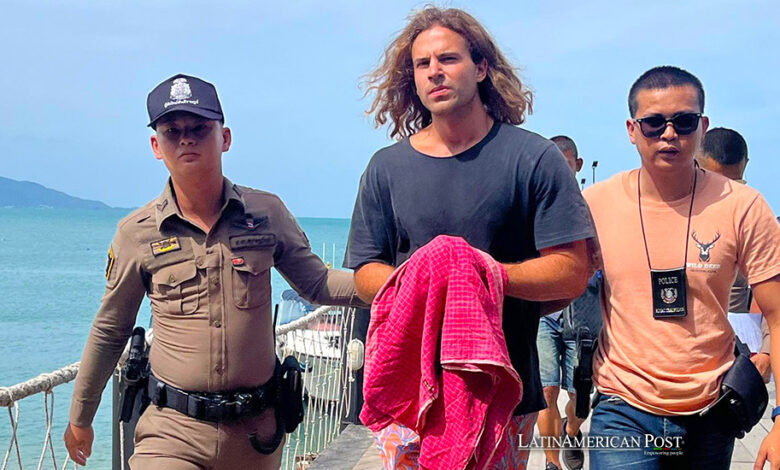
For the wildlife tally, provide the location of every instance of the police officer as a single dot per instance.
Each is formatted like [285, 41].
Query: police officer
[202, 253]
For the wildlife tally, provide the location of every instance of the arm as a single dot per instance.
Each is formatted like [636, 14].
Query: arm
[594, 250]
[339, 289]
[371, 235]
[564, 236]
[765, 343]
[761, 359]
[317, 283]
[560, 273]
[370, 277]
[305, 271]
[111, 328]
[767, 294]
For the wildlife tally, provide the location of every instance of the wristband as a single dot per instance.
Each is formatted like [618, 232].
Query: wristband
[775, 412]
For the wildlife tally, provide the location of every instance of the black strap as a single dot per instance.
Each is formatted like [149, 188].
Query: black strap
[269, 448]
[690, 211]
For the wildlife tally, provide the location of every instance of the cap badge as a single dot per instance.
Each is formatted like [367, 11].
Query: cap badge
[180, 90]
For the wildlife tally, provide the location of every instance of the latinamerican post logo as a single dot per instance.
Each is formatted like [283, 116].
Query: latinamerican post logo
[649, 444]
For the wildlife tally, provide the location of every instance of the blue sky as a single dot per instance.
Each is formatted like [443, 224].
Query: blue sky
[76, 75]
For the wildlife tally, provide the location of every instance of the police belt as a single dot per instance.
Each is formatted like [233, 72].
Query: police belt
[214, 407]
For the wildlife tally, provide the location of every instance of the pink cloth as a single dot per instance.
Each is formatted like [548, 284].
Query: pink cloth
[436, 357]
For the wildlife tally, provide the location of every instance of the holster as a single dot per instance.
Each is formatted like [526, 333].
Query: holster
[743, 394]
[289, 404]
[135, 375]
[291, 392]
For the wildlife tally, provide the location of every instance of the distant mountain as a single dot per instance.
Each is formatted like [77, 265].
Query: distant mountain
[27, 194]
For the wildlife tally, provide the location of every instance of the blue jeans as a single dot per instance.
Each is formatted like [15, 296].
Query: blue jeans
[706, 442]
[556, 356]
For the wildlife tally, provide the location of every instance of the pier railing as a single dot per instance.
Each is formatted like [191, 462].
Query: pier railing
[323, 341]
[10, 397]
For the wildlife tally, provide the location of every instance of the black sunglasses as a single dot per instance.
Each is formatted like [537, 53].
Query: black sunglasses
[655, 126]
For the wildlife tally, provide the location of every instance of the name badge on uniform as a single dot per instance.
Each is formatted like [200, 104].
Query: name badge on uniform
[167, 245]
[263, 240]
[670, 298]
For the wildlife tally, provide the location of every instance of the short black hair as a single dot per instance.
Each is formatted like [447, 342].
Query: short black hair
[725, 146]
[664, 76]
[565, 143]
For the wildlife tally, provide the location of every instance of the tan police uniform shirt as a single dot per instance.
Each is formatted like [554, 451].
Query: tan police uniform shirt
[210, 294]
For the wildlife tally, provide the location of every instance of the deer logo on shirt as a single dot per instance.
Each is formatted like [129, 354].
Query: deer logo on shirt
[704, 248]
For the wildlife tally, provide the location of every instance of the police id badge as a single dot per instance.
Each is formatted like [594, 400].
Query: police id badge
[670, 298]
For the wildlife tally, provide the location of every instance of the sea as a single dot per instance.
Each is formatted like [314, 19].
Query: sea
[52, 267]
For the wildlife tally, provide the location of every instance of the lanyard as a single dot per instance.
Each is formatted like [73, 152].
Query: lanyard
[642, 222]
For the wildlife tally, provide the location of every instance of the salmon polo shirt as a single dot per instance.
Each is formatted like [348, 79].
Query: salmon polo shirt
[673, 366]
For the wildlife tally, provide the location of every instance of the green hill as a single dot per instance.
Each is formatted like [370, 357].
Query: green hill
[27, 194]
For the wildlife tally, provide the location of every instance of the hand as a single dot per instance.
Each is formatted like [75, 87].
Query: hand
[770, 449]
[78, 441]
[761, 361]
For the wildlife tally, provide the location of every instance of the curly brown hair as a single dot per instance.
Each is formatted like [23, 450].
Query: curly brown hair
[505, 97]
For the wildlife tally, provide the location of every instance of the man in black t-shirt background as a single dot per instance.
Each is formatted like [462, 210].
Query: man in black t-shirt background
[462, 168]
[557, 358]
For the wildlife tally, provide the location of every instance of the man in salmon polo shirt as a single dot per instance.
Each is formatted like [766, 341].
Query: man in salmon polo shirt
[673, 237]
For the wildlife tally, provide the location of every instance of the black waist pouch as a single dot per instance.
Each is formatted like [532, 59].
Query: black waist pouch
[743, 394]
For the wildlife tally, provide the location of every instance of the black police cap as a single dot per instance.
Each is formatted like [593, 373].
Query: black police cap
[184, 93]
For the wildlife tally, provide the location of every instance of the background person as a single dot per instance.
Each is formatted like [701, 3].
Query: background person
[724, 151]
[556, 362]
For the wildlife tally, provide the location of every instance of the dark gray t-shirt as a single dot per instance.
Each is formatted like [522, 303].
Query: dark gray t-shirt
[511, 195]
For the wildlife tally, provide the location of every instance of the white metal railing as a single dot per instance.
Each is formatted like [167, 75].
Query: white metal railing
[319, 344]
[319, 341]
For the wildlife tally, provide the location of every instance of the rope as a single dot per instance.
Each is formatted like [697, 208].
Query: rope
[47, 443]
[14, 442]
[303, 321]
[42, 383]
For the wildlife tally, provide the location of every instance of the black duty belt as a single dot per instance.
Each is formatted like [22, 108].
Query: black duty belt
[214, 407]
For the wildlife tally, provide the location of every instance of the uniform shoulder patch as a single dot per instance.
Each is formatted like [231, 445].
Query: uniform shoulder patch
[110, 262]
[160, 247]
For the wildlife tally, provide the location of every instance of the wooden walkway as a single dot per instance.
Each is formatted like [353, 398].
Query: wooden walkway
[745, 450]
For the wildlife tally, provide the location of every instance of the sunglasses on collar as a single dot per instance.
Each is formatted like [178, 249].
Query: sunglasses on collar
[655, 126]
